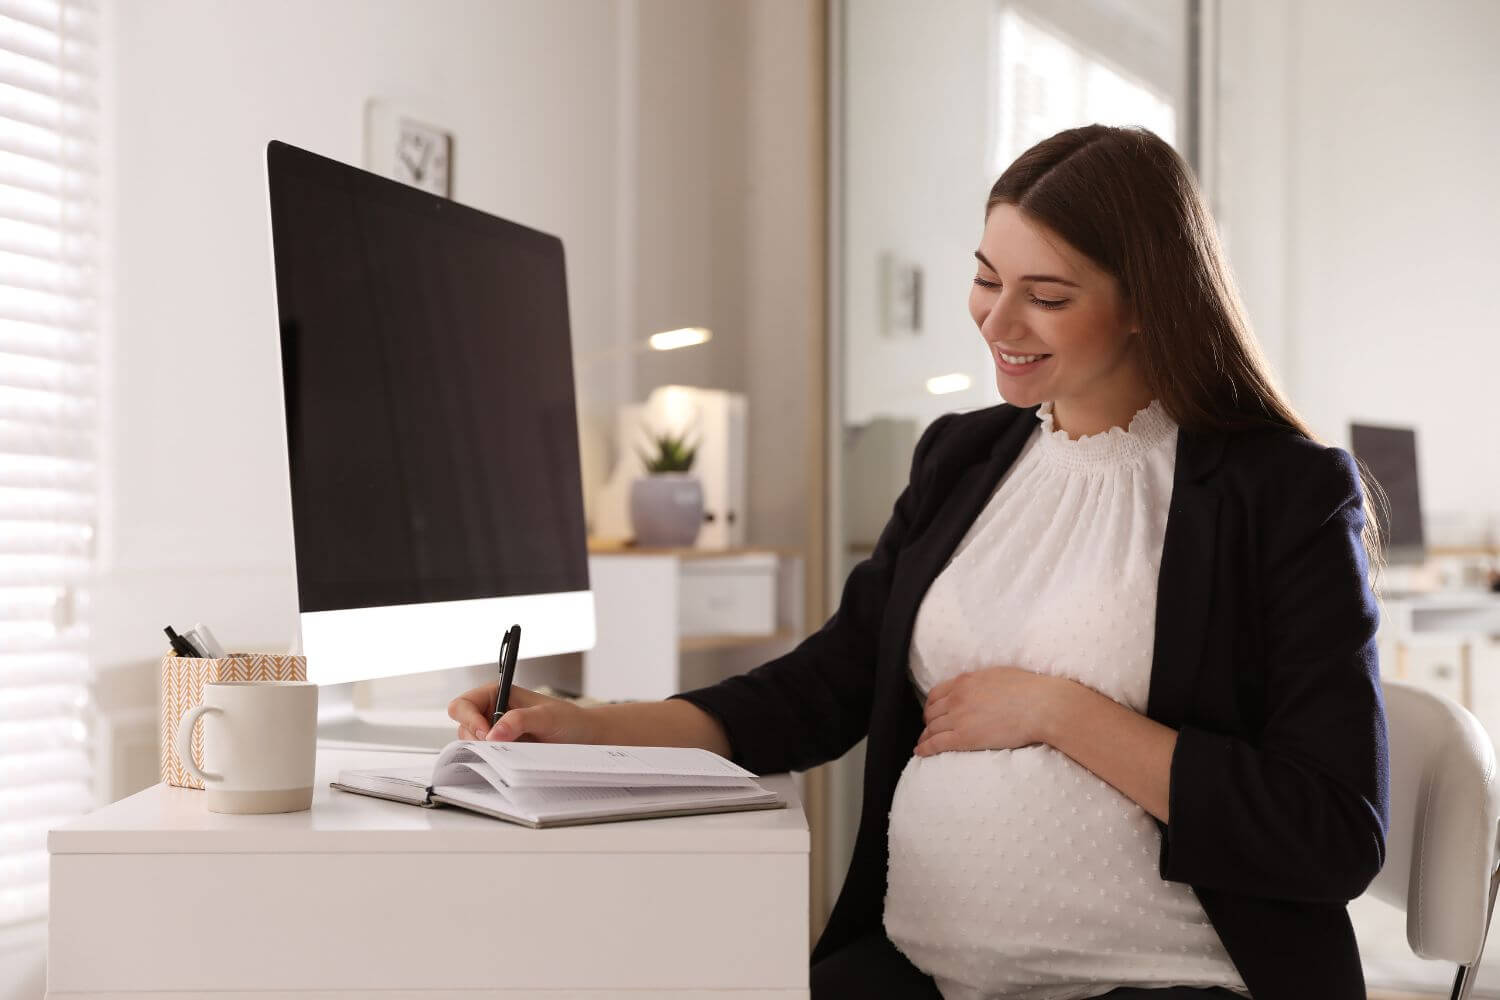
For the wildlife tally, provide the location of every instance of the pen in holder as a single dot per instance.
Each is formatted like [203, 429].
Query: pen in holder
[182, 680]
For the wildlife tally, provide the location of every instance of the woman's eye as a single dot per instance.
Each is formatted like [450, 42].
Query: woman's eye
[1044, 303]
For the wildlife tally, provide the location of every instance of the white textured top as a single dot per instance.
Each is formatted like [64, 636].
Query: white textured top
[1019, 873]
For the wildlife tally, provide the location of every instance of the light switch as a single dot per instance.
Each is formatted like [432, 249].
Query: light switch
[901, 296]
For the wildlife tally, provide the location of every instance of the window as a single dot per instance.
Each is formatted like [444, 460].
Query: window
[1047, 84]
[48, 410]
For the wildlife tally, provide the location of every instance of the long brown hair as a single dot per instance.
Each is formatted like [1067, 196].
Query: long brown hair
[1125, 199]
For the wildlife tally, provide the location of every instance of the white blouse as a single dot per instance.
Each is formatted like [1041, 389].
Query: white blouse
[1019, 873]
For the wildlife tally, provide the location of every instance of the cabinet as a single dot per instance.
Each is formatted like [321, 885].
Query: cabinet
[655, 610]
[1437, 663]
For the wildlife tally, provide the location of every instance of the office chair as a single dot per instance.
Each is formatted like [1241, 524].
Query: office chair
[1442, 848]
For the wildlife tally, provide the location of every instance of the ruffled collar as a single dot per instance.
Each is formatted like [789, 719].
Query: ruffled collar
[1150, 427]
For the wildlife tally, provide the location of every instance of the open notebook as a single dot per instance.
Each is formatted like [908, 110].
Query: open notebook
[565, 784]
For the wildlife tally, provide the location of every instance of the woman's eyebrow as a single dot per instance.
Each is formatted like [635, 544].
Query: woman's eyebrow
[1030, 277]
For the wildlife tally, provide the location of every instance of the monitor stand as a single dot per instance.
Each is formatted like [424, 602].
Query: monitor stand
[342, 726]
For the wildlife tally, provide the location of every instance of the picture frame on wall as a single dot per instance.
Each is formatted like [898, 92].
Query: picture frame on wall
[403, 142]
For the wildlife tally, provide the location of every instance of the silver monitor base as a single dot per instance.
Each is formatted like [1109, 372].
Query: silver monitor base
[363, 734]
[341, 725]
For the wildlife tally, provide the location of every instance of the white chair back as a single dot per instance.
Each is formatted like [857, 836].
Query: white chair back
[1445, 812]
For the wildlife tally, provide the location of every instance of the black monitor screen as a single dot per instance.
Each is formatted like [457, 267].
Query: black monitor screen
[428, 382]
[1390, 453]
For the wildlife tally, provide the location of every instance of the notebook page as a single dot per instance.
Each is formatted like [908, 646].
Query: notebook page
[530, 764]
[417, 776]
[460, 764]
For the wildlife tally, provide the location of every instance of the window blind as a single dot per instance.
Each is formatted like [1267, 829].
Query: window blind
[49, 312]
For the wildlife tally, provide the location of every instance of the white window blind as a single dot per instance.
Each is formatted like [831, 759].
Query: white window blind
[1047, 84]
[49, 264]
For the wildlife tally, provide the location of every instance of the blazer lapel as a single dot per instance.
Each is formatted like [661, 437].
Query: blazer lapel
[929, 553]
[1184, 588]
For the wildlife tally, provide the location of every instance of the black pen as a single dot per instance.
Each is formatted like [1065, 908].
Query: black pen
[180, 645]
[510, 645]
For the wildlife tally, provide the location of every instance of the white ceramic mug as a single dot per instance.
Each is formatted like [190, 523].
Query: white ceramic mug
[259, 745]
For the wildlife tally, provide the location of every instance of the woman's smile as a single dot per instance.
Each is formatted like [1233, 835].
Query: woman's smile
[1018, 364]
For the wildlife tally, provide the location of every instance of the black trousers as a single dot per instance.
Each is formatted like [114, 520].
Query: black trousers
[872, 967]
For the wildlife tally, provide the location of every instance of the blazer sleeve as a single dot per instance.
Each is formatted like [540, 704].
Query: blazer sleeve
[1301, 812]
[813, 704]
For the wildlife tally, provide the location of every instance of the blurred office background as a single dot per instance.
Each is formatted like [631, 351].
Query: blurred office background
[804, 177]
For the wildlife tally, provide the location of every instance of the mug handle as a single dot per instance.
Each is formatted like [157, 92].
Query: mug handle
[185, 742]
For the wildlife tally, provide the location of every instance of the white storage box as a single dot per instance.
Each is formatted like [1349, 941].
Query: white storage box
[727, 595]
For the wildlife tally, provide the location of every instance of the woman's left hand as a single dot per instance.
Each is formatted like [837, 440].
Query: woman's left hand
[998, 708]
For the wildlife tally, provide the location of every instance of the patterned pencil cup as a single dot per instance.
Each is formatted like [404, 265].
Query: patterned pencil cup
[182, 680]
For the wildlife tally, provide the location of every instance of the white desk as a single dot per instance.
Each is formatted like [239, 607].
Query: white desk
[1450, 611]
[154, 895]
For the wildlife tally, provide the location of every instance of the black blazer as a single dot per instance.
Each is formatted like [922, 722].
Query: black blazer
[1264, 661]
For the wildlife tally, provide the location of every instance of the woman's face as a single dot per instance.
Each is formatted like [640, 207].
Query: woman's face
[1033, 295]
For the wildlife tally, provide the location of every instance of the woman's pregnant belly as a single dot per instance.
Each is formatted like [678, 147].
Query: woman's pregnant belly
[1020, 872]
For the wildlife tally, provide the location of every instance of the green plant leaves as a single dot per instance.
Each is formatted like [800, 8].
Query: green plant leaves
[672, 454]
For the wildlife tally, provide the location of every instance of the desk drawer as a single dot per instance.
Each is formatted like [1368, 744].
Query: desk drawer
[550, 923]
[733, 595]
[1436, 665]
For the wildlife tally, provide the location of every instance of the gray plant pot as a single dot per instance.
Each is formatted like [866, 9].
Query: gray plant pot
[666, 509]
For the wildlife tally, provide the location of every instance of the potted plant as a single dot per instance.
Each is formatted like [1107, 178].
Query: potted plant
[666, 505]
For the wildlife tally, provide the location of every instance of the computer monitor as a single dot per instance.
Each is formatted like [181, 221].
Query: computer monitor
[431, 433]
[1390, 453]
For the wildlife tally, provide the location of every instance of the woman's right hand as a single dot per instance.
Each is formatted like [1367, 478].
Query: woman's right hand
[531, 716]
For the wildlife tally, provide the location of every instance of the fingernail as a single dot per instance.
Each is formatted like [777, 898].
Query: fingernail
[479, 732]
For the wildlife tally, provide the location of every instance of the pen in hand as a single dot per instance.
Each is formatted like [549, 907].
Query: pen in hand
[510, 645]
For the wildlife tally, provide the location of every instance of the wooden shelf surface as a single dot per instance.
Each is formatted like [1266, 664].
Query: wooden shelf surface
[1463, 550]
[627, 547]
[700, 643]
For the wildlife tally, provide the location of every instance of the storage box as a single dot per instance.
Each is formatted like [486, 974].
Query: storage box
[728, 595]
[182, 680]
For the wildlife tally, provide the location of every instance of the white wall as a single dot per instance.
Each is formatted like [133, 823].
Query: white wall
[692, 178]
[915, 179]
[1375, 264]
[1250, 133]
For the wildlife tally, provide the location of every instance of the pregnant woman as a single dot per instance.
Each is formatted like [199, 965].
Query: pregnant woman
[1114, 652]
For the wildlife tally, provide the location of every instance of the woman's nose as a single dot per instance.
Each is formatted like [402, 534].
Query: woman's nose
[1000, 319]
